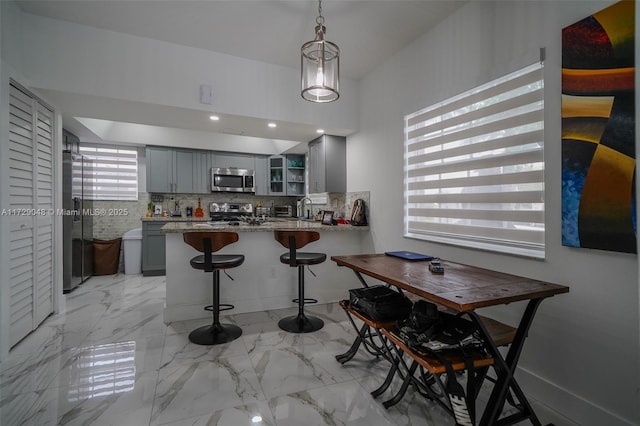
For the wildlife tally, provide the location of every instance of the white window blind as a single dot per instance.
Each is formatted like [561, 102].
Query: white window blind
[474, 167]
[114, 172]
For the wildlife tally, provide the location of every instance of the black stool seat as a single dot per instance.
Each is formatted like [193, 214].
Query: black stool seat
[218, 261]
[293, 240]
[207, 243]
[304, 258]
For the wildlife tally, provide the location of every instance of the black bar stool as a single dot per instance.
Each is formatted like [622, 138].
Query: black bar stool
[207, 243]
[294, 240]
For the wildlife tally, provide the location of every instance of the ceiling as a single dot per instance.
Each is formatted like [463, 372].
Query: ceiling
[367, 31]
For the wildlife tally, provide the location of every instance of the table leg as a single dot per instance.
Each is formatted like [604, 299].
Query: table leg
[505, 369]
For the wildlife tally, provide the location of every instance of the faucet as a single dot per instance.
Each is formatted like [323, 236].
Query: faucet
[303, 204]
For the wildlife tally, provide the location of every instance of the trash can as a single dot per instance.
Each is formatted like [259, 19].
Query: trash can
[106, 256]
[133, 251]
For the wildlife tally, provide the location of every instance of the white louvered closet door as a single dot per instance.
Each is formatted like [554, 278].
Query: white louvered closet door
[31, 220]
[44, 222]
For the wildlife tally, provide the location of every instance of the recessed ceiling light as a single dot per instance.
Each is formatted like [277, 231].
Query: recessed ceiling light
[214, 118]
[320, 131]
[272, 125]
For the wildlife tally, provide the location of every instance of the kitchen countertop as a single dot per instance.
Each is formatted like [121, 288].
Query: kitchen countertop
[273, 224]
[175, 219]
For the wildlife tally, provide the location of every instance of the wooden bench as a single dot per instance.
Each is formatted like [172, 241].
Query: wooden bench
[432, 364]
[502, 334]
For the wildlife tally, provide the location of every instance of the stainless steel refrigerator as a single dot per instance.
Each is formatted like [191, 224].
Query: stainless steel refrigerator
[77, 223]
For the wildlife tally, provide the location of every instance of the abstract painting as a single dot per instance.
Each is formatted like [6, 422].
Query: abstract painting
[598, 131]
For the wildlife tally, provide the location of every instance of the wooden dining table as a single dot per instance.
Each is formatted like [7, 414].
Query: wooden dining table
[466, 288]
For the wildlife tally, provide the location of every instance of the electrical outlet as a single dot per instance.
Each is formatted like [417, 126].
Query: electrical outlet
[273, 272]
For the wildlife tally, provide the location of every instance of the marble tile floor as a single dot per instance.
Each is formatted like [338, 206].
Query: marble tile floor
[109, 359]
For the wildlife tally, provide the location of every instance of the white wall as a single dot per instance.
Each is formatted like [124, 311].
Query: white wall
[73, 58]
[12, 66]
[582, 354]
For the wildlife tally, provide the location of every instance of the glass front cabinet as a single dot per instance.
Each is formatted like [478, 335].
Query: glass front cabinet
[287, 175]
[295, 174]
[276, 175]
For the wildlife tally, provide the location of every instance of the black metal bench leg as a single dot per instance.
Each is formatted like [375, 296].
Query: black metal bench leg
[349, 354]
[387, 381]
[403, 389]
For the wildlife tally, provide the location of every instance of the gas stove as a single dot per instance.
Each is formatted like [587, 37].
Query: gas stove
[229, 212]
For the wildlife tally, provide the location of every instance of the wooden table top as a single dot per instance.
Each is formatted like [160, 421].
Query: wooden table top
[461, 287]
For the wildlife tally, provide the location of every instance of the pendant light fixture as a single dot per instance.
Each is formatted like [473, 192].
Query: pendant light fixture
[320, 60]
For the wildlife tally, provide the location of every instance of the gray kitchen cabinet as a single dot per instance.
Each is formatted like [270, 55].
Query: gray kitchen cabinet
[202, 163]
[295, 165]
[262, 176]
[277, 175]
[153, 249]
[229, 159]
[184, 171]
[328, 164]
[159, 169]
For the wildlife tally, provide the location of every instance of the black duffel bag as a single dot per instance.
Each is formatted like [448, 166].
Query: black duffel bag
[380, 303]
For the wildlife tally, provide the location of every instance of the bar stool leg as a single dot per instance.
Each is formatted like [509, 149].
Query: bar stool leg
[301, 323]
[216, 333]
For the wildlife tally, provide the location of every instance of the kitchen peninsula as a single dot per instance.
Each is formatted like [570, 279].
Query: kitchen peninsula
[261, 282]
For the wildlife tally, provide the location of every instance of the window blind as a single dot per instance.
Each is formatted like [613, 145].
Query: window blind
[114, 172]
[474, 167]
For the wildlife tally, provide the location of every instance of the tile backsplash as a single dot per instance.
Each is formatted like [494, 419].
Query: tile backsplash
[109, 227]
[130, 213]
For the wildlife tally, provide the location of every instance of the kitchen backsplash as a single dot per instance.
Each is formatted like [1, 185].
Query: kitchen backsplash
[130, 213]
[191, 200]
[127, 215]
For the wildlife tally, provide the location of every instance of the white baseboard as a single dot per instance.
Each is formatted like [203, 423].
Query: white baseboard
[563, 408]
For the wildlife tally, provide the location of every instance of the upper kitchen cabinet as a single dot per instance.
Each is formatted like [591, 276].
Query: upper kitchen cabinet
[295, 174]
[172, 170]
[240, 161]
[277, 175]
[262, 175]
[202, 163]
[328, 164]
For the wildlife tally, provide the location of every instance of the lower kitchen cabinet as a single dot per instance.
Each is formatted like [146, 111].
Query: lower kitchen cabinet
[153, 249]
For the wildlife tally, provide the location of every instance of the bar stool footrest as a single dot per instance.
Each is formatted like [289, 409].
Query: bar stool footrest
[306, 300]
[222, 307]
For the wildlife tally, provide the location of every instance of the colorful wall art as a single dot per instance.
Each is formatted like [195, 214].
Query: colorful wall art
[598, 131]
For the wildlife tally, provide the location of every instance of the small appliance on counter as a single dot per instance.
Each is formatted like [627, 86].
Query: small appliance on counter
[283, 211]
[189, 211]
[263, 211]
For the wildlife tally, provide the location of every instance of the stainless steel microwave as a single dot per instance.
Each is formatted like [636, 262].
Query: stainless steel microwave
[232, 180]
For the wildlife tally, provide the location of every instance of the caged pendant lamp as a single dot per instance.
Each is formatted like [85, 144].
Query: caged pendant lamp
[320, 66]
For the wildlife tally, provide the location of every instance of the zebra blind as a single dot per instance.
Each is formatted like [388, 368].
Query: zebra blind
[113, 174]
[474, 167]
